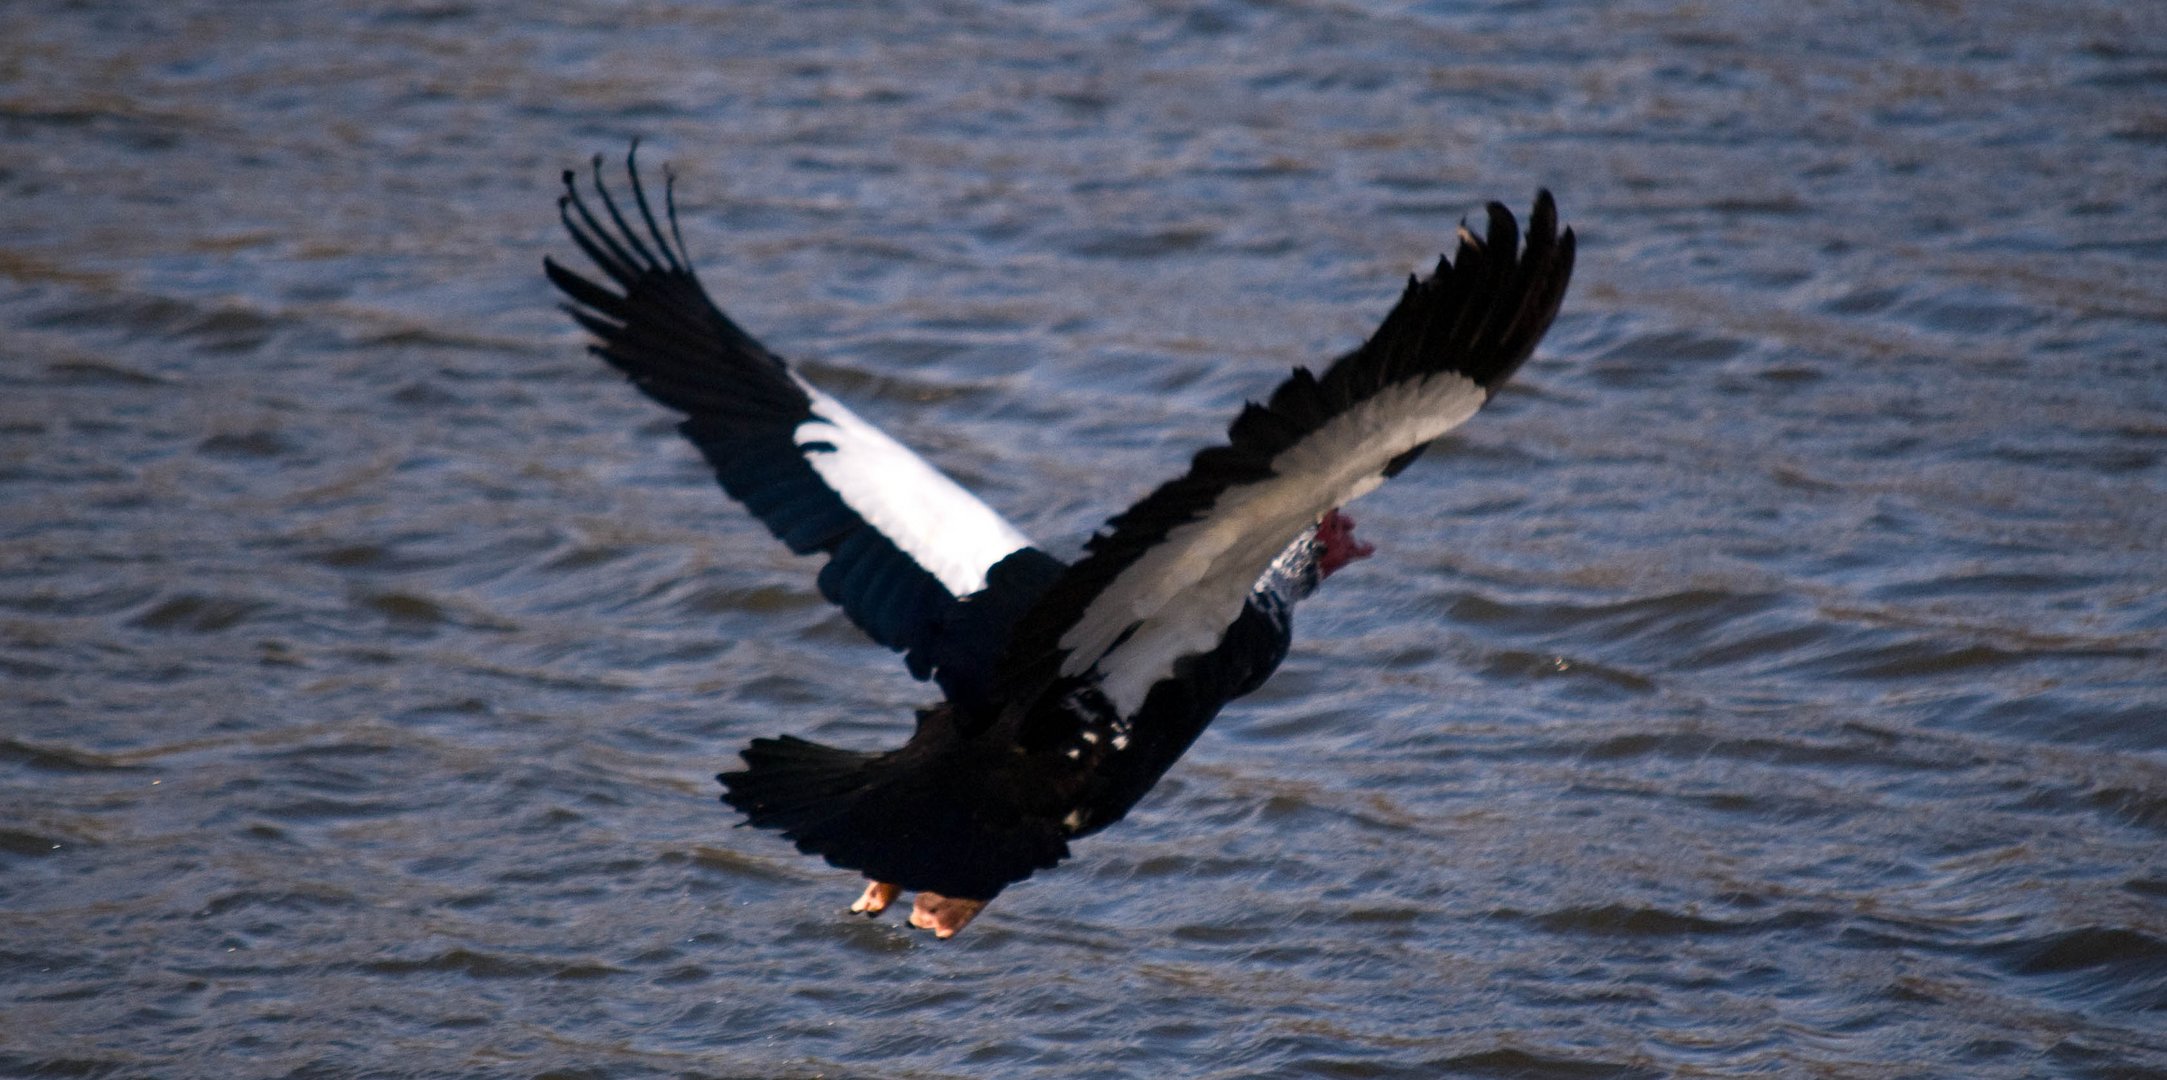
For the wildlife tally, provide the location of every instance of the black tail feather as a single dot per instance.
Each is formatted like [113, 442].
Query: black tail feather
[935, 824]
[794, 785]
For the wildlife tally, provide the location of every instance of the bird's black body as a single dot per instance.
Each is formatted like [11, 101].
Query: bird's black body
[1069, 689]
[974, 802]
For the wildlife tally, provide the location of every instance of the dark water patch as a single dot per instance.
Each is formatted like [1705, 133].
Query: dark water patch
[214, 329]
[1185, 867]
[1217, 934]
[1448, 209]
[321, 809]
[1277, 168]
[2112, 965]
[1151, 244]
[70, 1067]
[306, 901]
[1653, 359]
[1673, 617]
[409, 612]
[477, 964]
[2105, 457]
[141, 130]
[1797, 752]
[436, 339]
[2115, 710]
[423, 394]
[249, 444]
[1385, 918]
[2128, 79]
[99, 373]
[925, 370]
[1751, 645]
[1918, 658]
[196, 613]
[586, 556]
[1934, 656]
[455, 709]
[728, 599]
[1297, 810]
[2142, 807]
[46, 757]
[17, 668]
[1587, 679]
[1791, 809]
[1864, 301]
[376, 556]
[1989, 584]
[80, 599]
[2102, 1059]
[1969, 312]
[24, 842]
[2148, 132]
[1780, 205]
[1516, 1064]
[1614, 920]
[1791, 374]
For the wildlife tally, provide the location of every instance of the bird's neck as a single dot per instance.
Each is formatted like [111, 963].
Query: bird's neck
[1295, 572]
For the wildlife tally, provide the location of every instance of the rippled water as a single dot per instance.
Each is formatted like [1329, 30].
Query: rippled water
[1771, 683]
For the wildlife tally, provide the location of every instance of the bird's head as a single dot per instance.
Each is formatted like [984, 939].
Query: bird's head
[1336, 543]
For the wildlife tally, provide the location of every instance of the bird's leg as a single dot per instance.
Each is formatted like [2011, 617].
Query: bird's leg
[944, 915]
[878, 895]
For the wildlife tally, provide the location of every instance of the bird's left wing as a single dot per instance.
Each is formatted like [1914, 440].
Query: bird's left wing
[1167, 577]
[904, 542]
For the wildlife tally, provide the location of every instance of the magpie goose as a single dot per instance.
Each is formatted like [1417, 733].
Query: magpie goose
[1068, 689]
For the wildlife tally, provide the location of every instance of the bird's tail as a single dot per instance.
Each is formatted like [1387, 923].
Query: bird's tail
[796, 786]
[918, 825]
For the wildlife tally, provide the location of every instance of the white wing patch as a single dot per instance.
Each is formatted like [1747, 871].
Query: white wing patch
[932, 519]
[1183, 594]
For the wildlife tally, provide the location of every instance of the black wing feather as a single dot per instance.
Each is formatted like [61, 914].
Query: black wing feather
[1480, 315]
[660, 328]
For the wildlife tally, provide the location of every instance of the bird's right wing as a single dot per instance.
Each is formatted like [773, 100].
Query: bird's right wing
[1168, 577]
[904, 542]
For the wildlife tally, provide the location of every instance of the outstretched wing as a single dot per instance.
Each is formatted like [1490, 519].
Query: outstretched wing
[1167, 577]
[903, 541]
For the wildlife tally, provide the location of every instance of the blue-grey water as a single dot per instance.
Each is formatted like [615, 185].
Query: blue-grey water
[1772, 683]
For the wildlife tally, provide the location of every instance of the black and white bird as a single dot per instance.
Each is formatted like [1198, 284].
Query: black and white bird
[1068, 689]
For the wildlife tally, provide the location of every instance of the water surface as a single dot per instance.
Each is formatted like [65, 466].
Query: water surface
[1770, 683]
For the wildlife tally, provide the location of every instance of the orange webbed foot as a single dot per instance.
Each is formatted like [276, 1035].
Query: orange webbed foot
[944, 915]
[876, 898]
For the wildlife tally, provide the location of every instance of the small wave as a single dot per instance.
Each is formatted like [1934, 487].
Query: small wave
[196, 613]
[1155, 244]
[211, 327]
[1697, 745]
[95, 372]
[1522, 1065]
[25, 842]
[2108, 963]
[261, 443]
[1691, 614]
[1621, 920]
[63, 759]
[484, 965]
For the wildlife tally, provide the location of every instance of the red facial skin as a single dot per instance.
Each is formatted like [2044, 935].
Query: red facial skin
[1336, 532]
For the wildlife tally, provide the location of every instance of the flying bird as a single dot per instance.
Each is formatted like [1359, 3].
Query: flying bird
[1067, 688]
